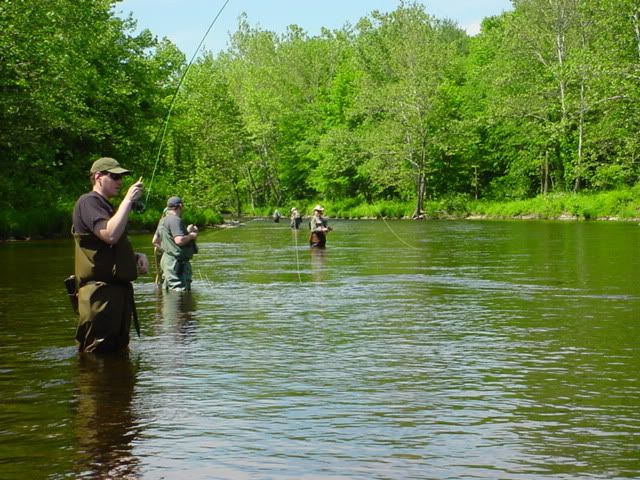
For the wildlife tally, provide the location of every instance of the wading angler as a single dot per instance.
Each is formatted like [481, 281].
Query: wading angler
[105, 263]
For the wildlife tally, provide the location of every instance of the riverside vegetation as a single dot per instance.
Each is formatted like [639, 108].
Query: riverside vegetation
[400, 115]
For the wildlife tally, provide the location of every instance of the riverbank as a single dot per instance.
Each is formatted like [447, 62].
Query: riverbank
[55, 221]
[617, 205]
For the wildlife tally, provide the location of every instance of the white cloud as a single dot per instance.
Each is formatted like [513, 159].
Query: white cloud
[472, 28]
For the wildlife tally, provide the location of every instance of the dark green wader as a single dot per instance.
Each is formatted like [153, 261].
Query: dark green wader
[105, 297]
[106, 311]
[317, 240]
[175, 262]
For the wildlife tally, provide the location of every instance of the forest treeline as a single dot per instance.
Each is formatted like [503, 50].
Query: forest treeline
[400, 107]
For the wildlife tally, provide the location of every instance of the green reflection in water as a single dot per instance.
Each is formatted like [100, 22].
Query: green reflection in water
[489, 349]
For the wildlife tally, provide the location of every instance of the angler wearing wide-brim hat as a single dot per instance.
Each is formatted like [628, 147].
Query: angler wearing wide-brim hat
[319, 228]
[296, 219]
[105, 263]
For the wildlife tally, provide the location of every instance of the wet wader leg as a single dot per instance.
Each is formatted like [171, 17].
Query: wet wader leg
[317, 240]
[105, 317]
[157, 256]
[186, 275]
[171, 271]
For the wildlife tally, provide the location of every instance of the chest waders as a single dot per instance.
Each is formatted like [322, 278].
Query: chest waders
[175, 262]
[317, 238]
[105, 294]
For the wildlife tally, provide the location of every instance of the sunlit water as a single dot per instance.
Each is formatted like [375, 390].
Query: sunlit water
[405, 350]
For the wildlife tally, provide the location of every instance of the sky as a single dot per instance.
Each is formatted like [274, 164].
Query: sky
[185, 22]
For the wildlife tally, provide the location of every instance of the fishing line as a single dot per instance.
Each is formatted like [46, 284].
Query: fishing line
[205, 279]
[165, 126]
[295, 234]
[396, 235]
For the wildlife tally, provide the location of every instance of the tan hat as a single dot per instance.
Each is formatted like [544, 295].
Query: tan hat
[318, 208]
[107, 164]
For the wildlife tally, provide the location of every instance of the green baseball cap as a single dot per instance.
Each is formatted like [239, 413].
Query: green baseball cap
[107, 164]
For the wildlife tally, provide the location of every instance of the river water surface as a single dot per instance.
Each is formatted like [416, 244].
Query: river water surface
[405, 350]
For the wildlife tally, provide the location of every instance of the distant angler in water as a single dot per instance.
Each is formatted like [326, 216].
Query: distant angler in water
[296, 218]
[319, 228]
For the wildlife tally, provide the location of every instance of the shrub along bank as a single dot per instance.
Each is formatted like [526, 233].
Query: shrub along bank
[620, 205]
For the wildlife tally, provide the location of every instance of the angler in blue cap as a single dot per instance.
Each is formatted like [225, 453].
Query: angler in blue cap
[178, 245]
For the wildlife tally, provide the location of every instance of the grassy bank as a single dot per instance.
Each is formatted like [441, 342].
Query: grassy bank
[55, 221]
[622, 205]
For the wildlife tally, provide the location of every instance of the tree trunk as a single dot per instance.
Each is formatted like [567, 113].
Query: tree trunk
[419, 211]
[545, 173]
[578, 173]
[636, 27]
[252, 188]
[270, 174]
[238, 202]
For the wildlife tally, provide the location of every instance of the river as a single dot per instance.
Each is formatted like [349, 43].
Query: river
[405, 350]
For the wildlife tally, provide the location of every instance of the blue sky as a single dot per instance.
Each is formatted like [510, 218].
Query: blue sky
[184, 22]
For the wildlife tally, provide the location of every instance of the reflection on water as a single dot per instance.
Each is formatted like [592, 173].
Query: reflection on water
[105, 424]
[421, 350]
[318, 264]
[177, 312]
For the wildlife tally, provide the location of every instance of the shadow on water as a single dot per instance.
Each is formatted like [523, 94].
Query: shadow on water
[178, 312]
[318, 264]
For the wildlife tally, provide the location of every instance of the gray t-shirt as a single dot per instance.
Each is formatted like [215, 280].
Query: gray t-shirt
[174, 225]
[170, 227]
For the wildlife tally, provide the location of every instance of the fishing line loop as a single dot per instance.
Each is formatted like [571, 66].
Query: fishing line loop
[165, 126]
[396, 235]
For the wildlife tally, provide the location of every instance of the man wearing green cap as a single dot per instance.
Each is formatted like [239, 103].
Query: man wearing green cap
[105, 263]
[178, 245]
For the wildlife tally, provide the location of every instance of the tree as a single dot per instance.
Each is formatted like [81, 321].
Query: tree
[567, 62]
[613, 114]
[70, 95]
[251, 69]
[407, 57]
[209, 148]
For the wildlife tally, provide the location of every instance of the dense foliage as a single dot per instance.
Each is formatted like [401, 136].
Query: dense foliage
[74, 85]
[401, 107]
[404, 106]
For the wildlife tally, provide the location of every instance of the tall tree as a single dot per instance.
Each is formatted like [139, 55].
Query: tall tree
[251, 71]
[406, 57]
[69, 94]
[209, 149]
[612, 149]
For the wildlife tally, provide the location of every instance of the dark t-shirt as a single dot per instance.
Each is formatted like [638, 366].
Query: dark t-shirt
[90, 209]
